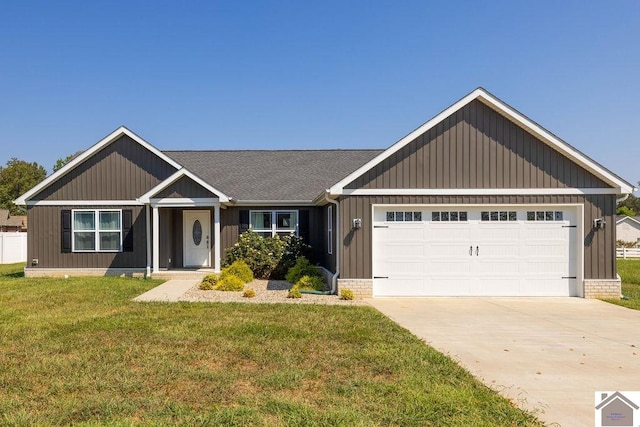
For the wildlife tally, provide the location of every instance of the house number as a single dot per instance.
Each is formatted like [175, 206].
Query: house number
[197, 232]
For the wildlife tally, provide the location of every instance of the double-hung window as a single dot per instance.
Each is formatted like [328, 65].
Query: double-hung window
[270, 223]
[97, 230]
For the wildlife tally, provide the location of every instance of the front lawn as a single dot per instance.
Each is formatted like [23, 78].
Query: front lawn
[79, 351]
[629, 271]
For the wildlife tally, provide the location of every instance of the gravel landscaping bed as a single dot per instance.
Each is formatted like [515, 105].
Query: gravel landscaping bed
[267, 291]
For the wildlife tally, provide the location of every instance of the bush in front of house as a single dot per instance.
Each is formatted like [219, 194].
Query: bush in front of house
[240, 269]
[294, 292]
[346, 294]
[230, 283]
[208, 282]
[267, 257]
[249, 293]
[314, 283]
[302, 267]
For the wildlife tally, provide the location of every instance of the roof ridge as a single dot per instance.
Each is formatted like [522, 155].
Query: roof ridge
[272, 151]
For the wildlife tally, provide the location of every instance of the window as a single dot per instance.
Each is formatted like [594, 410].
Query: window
[545, 216]
[498, 216]
[330, 230]
[404, 216]
[270, 223]
[449, 216]
[97, 231]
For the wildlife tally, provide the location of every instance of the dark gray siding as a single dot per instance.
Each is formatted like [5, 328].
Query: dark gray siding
[185, 187]
[599, 246]
[44, 242]
[123, 170]
[477, 148]
[230, 219]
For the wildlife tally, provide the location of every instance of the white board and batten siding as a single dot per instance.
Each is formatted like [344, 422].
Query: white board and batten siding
[13, 248]
[475, 251]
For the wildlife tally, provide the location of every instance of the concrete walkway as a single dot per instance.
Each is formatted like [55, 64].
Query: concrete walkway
[548, 355]
[169, 291]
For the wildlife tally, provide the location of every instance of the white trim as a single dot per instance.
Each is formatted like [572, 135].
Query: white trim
[156, 239]
[274, 220]
[217, 262]
[183, 202]
[146, 197]
[474, 191]
[267, 203]
[147, 214]
[624, 218]
[493, 102]
[112, 137]
[83, 203]
[96, 231]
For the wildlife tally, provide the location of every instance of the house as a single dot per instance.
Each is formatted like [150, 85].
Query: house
[628, 229]
[479, 200]
[12, 223]
[616, 410]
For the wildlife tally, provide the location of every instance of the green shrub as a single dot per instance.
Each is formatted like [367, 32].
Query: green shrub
[230, 283]
[240, 269]
[294, 248]
[209, 282]
[311, 282]
[249, 293]
[302, 267]
[346, 294]
[294, 292]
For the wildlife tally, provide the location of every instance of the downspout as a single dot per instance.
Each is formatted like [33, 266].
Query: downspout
[334, 278]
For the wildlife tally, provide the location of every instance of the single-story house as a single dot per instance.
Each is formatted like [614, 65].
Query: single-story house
[479, 200]
[12, 223]
[628, 228]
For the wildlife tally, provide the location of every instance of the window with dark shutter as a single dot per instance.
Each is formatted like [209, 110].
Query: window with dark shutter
[66, 230]
[127, 230]
[244, 220]
[303, 225]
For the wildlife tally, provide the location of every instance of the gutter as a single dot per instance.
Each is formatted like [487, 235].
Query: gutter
[334, 278]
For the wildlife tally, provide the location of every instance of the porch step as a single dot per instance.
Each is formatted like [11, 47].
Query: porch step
[182, 274]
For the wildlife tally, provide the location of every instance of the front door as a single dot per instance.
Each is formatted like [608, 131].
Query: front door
[197, 238]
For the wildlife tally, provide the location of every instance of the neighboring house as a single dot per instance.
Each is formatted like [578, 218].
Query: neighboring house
[480, 200]
[628, 229]
[12, 223]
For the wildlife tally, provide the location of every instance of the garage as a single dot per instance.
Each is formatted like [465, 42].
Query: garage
[475, 251]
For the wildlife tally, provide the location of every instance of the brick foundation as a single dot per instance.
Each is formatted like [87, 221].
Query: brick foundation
[362, 288]
[602, 288]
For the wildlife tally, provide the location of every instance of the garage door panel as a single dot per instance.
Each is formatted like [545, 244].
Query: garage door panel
[478, 256]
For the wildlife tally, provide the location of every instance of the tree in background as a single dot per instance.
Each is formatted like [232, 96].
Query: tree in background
[16, 178]
[63, 161]
[630, 206]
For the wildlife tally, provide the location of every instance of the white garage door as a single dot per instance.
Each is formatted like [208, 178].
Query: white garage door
[492, 251]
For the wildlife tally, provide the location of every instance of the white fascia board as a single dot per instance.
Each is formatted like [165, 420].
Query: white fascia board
[113, 136]
[145, 198]
[83, 203]
[476, 191]
[506, 110]
[624, 218]
[184, 202]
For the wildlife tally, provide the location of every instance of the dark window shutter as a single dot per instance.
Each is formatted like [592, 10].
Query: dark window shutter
[66, 230]
[303, 225]
[244, 220]
[127, 230]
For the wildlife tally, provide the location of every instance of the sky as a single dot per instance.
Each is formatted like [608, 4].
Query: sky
[311, 75]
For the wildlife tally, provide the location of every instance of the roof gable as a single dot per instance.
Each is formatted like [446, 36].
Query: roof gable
[484, 97]
[76, 163]
[171, 185]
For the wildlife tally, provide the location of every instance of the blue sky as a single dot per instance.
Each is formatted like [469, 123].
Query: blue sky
[330, 74]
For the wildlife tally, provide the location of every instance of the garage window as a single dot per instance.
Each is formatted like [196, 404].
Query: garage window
[449, 216]
[404, 216]
[493, 216]
[545, 216]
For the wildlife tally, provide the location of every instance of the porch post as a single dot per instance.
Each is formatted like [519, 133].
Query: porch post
[216, 236]
[147, 211]
[156, 240]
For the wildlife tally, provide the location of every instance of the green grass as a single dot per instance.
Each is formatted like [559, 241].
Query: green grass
[78, 351]
[629, 271]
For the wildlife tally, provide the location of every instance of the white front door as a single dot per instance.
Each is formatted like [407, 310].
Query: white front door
[197, 238]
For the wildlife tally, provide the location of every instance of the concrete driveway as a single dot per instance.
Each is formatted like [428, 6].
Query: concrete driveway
[548, 355]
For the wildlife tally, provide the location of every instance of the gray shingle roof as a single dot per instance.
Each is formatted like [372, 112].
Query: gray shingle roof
[272, 175]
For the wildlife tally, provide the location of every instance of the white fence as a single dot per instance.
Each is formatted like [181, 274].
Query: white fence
[628, 253]
[13, 247]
